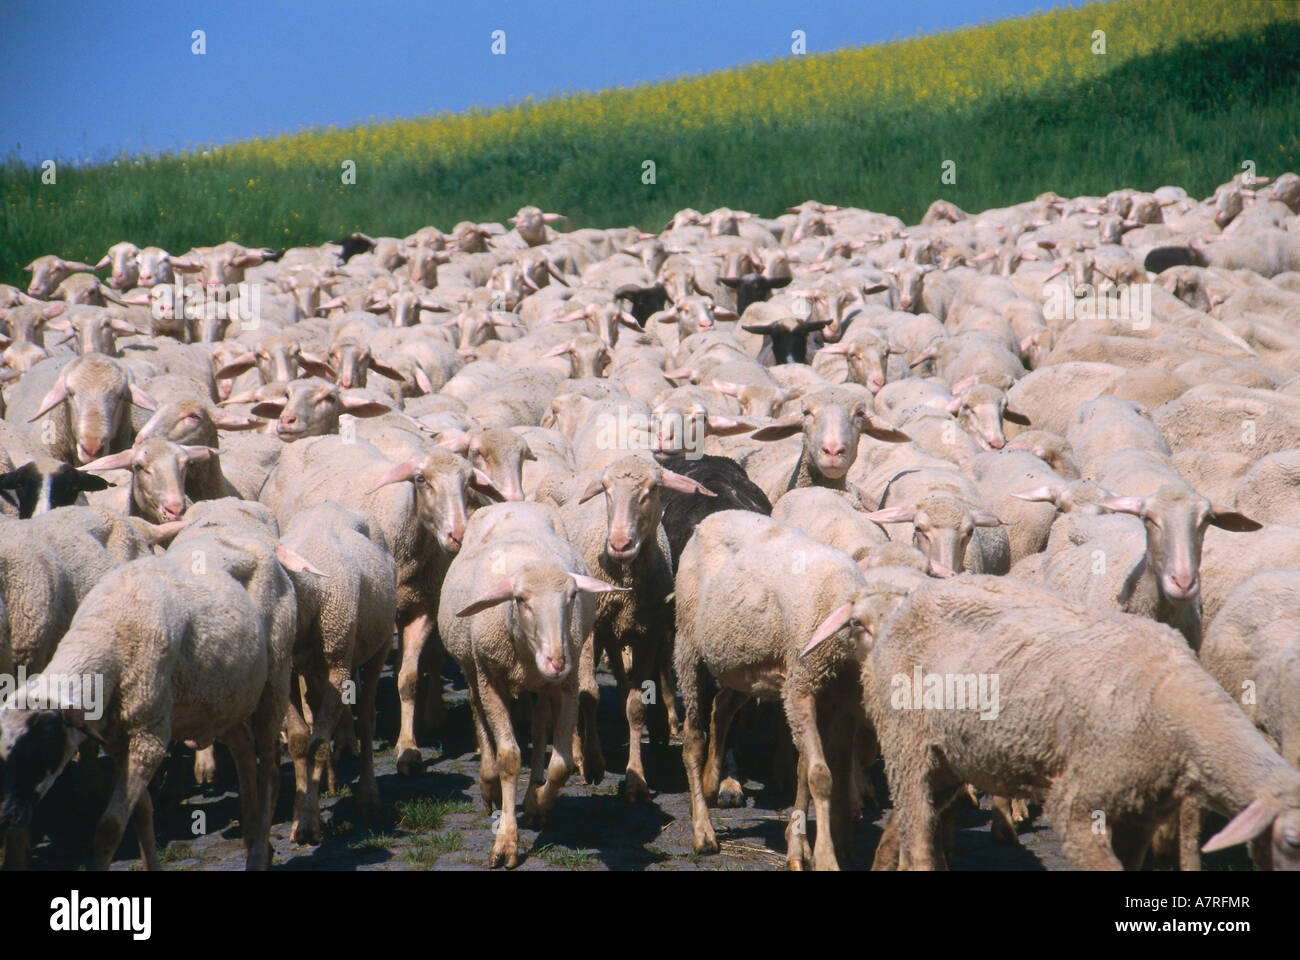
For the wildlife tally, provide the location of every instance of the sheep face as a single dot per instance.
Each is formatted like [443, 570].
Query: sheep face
[500, 454]
[43, 485]
[97, 392]
[441, 480]
[634, 503]
[35, 746]
[123, 259]
[1175, 519]
[311, 408]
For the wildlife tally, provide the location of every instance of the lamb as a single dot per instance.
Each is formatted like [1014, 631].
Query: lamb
[50, 271]
[346, 608]
[155, 488]
[187, 658]
[743, 616]
[621, 540]
[532, 643]
[1157, 731]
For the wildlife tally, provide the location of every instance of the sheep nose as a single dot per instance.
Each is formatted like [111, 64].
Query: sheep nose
[92, 448]
[876, 384]
[289, 423]
[172, 509]
[833, 448]
[620, 542]
[997, 443]
[556, 665]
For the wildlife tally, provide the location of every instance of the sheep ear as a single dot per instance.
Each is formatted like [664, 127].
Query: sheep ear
[1046, 494]
[528, 453]
[982, 519]
[593, 585]
[829, 627]
[401, 473]
[361, 407]
[499, 593]
[481, 482]
[234, 368]
[880, 430]
[953, 405]
[86, 482]
[1131, 505]
[963, 385]
[76, 717]
[198, 452]
[559, 350]
[456, 443]
[1226, 519]
[893, 515]
[316, 366]
[684, 484]
[593, 488]
[1014, 416]
[268, 409]
[726, 426]
[295, 562]
[786, 426]
[58, 393]
[114, 461]
[142, 399]
[422, 380]
[1247, 825]
[229, 421]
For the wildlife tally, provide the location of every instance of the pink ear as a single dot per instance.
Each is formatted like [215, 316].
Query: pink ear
[456, 443]
[1247, 825]
[1046, 494]
[234, 368]
[595, 487]
[401, 473]
[483, 484]
[963, 385]
[295, 562]
[269, 409]
[725, 426]
[1132, 505]
[200, 453]
[893, 515]
[114, 461]
[592, 585]
[786, 426]
[499, 593]
[142, 399]
[559, 350]
[829, 627]
[683, 484]
[982, 519]
[58, 393]
[422, 380]
[362, 407]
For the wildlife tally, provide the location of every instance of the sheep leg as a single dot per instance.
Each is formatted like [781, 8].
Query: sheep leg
[634, 783]
[541, 731]
[16, 848]
[326, 692]
[917, 818]
[430, 711]
[840, 738]
[414, 634]
[205, 766]
[801, 712]
[1189, 837]
[798, 856]
[489, 780]
[1003, 825]
[366, 798]
[239, 741]
[591, 760]
[725, 705]
[1086, 849]
[887, 848]
[133, 772]
[144, 832]
[267, 720]
[306, 782]
[564, 708]
[693, 751]
[496, 711]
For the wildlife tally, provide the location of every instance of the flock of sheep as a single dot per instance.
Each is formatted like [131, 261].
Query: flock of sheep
[1008, 500]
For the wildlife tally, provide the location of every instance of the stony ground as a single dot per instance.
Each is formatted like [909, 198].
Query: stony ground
[437, 821]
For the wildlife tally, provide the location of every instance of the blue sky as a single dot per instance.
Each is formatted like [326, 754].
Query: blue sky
[89, 80]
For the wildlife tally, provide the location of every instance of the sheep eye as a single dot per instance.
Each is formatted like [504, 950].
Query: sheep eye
[419, 478]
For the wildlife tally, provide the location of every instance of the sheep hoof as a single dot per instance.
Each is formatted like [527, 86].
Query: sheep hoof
[1004, 834]
[730, 793]
[593, 769]
[305, 832]
[367, 805]
[635, 789]
[505, 852]
[410, 763]
[706, 845]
